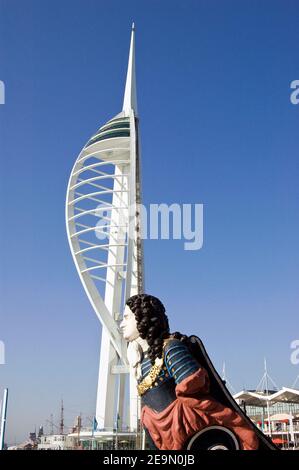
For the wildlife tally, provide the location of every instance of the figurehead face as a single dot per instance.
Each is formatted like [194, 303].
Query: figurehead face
[128, 325]
[145, 319]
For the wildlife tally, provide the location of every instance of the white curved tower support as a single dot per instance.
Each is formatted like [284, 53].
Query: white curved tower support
[101, 217]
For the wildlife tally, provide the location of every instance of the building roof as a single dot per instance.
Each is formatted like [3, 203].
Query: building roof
[285, 395]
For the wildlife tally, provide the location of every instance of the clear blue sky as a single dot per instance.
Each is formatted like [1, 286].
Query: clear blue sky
[217, 128]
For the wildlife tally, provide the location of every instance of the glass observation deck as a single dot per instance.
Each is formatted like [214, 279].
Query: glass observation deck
[114, 128]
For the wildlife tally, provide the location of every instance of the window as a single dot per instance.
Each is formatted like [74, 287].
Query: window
[109, 135]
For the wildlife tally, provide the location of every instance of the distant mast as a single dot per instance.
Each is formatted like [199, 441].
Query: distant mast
[61, 418]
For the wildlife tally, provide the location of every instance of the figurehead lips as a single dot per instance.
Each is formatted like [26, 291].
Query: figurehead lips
[191, 411]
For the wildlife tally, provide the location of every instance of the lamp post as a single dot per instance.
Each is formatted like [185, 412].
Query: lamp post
[3, 418]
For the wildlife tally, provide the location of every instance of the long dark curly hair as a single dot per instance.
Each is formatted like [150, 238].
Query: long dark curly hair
[152, 323]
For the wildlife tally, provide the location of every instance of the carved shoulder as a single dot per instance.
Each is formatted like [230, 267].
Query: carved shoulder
[179, 360]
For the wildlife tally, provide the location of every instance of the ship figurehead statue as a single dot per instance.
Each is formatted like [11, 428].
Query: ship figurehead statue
[184, 402]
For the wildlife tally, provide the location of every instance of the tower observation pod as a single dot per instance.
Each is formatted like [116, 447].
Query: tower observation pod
[103, 229]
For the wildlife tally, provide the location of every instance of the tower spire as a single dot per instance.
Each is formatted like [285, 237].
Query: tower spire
[130, 98]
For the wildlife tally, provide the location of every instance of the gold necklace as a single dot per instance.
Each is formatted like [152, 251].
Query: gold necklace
[155, 370]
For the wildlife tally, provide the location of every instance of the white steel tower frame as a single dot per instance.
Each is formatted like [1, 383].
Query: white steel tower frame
[103, 229]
